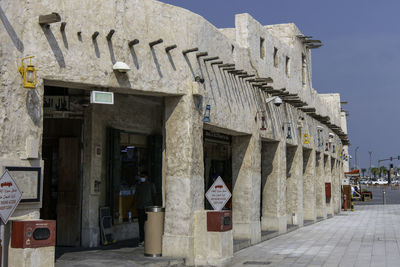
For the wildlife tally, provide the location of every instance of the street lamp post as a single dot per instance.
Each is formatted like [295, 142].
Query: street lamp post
[355, 154]
[370, 156]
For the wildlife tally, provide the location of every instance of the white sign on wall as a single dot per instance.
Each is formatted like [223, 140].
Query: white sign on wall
[218, 194]
[10, 195]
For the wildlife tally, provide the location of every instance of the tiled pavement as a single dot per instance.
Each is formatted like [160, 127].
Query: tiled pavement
[369, 236]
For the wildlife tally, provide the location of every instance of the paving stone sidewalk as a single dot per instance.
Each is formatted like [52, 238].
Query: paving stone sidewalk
[369, 236]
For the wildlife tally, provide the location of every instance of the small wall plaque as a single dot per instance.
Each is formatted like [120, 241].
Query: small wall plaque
[28, 180]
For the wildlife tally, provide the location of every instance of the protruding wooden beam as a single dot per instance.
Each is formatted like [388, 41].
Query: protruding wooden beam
[228, 68]
[50, 18]
[217, 63]
[227, 65]
[191, 50]
[133, 42]
[236, 71]
[94, 35]
[267, 80]
[247, 76]
[156, 42]
[62, 27]
[110, 34]
[210, 58]
[169, 48]
[201, 54]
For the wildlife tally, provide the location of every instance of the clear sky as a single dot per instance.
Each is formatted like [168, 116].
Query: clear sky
[360, 59]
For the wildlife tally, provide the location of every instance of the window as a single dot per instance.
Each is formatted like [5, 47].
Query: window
[276, 57]
[287, 68]
[303, 70]
[262, 48]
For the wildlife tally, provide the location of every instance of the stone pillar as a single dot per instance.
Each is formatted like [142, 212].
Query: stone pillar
[328, 179]
[309, 180]
[294, 185]
[320, 185]
[273, 172]
[184, 175]
[246, 178]
[336, 192]
[93, 167]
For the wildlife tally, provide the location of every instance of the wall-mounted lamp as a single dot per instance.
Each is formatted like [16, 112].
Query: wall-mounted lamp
[319, 131]
[289, 131]
[28, 74]
[331, 135]
[121, 67]
[300, 122]
[207, 113]
[263, 128]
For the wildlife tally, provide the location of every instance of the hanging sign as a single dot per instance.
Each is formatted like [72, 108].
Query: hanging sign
[10, 195]
[218, 194]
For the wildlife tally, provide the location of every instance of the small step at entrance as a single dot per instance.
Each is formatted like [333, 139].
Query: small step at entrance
[239, 244]
[319, 219]
[292, 227]
[118, 256]
[266, 235]
[308, 222]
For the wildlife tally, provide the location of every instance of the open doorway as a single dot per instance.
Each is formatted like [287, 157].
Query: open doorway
[62, 178]
[63, 110]
[217, 162]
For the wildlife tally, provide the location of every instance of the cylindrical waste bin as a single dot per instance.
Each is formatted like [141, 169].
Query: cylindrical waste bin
[153, 231]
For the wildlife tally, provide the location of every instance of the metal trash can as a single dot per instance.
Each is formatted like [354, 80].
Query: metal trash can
[153, 231]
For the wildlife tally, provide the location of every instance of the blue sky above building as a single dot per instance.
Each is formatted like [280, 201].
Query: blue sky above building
[360, 59]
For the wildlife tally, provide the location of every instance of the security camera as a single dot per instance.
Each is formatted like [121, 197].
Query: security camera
[277, 101]
[320, 128]
[301, 118]
[331, 135]
[199, 79]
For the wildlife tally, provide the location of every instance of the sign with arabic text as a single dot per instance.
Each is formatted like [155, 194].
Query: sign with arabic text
[10, 195]
[218, 194]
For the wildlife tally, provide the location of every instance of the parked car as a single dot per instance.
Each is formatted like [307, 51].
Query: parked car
[381, 182]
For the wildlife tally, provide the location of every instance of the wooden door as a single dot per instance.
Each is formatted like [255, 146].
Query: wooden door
[68, 197]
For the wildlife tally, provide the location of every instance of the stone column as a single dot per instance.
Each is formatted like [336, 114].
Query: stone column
[328, 179]
[93, 133]
[184, 175]
[294, 185]
[336, 192]
[274, 189]
[309, 180]
[246, 170]
[320, 186]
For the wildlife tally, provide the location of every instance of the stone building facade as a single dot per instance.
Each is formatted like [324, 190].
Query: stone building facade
[276, 160]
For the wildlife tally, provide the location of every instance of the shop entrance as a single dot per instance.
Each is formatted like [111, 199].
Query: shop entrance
[61, 152]
[62, 178]
[217, 162]
[130, 158]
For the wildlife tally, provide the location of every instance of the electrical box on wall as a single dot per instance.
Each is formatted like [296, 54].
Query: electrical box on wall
[219, 221]
[33, 234]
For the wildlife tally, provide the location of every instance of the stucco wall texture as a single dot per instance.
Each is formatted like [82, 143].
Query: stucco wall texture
[73, 58]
